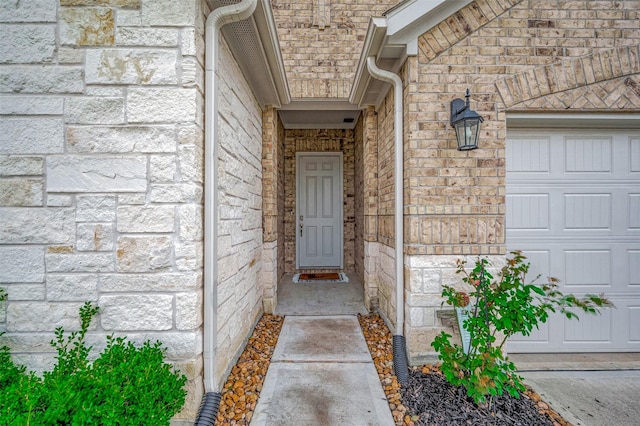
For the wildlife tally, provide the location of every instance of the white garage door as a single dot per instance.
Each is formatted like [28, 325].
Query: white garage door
[573, 208]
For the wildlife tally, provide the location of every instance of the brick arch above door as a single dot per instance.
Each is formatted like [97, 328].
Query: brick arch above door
[578, 83]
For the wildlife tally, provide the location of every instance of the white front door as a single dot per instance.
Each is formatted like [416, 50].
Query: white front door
[319, 210]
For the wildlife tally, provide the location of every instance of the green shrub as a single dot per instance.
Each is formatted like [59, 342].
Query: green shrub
[124, 385]
[501, 309]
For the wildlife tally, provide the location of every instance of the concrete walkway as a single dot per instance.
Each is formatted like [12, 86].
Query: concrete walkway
[321, 373]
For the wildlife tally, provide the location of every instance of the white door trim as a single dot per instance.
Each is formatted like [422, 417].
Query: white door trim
[340, 204]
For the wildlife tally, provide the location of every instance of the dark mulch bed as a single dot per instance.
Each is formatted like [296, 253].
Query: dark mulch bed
[431, 400]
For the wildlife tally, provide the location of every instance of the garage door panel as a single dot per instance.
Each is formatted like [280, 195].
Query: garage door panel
[634, 211]
[587, 211]
[587, 154]
[587, 269]
[528, 211]
[633, 313]
[529, 155]
[573, 208]
[634, 270]
[634, 154]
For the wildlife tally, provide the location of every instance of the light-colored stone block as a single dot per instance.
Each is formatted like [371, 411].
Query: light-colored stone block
[72, 288]
[42, 79]
[86, 26]
[36, 225]
[189, 257]
[94, 110]
[95, 208]
[21, 192]
[79, 262]
[132, 199]
[70, 55]
[25, 44]
[148, 37]
[162, 168]
[176, 193]
[146, 219]
[190, 219]
[181, 345]
[188, 311]
[42, 316]
[25, 292]
[191, 160]
[31, 136]
[128, 18]
[74, 173]
[160, 105]
[31, 105]
[113, 3]
[21, 264]
[131, 66]
[150, 282]
[28, 11]
[143, 254]
[167, 13]
[21, 166]
[95, 237]
[57, 200]
[140, 139]
[136, 312]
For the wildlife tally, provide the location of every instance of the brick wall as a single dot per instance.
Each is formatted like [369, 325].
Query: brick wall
[513, 55]
[313, 140]
[273, 205]
[321, 42]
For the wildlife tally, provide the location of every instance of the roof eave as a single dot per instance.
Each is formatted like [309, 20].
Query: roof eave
[395, 37]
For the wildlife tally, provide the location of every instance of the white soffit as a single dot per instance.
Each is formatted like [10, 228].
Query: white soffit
[254, 44]
[319, 114]
[573, 120]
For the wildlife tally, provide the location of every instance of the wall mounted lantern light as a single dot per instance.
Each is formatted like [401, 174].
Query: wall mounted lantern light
[466, 124]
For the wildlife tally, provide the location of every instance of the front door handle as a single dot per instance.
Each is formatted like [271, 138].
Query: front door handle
[301, 224]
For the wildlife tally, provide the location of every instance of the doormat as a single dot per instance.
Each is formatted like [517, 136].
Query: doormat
[325, 277]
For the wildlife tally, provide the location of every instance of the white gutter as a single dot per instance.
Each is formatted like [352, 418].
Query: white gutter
[215, 20]
[392, 78]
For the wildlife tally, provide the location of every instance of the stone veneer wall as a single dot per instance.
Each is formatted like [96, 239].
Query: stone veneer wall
[321, 41]
[512, 55]
[101, 173]
[273, 202]
[240, 239]
[315, 140]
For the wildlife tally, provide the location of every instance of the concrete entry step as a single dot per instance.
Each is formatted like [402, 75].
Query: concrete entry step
[321, 373]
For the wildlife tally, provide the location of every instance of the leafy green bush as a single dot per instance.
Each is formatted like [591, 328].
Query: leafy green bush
[124, 385]
[501, 309]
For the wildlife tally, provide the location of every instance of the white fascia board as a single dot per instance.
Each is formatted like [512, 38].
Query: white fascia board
[373, 44]
[267, 31]
[414, 18]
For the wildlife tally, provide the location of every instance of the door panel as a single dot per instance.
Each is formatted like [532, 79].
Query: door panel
[319, 211]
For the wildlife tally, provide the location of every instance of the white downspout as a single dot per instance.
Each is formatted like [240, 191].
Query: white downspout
[392, 78]
[215, 20]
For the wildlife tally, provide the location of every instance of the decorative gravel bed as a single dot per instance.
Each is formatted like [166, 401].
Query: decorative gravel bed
[427, 400]
[242, 388]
